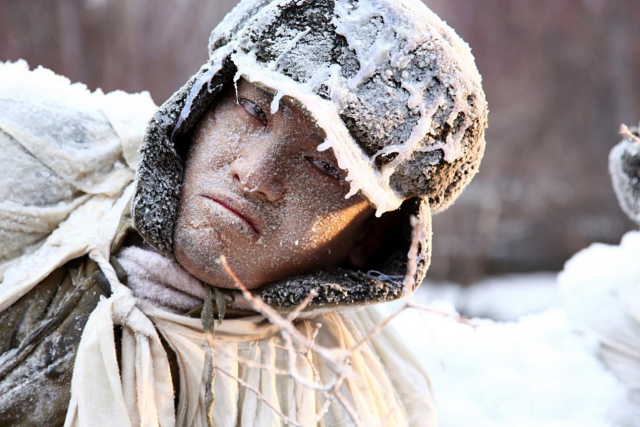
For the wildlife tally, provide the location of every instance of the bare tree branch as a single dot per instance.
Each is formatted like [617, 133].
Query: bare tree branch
[260, 395]
[626, 132]
[334, 356]
[299, 344]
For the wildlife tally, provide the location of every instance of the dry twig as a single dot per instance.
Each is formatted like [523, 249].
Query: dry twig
[260, 395]
[626, 132]
[334, 357]
[338, 359]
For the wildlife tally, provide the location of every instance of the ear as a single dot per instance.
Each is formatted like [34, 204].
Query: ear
[375, 233]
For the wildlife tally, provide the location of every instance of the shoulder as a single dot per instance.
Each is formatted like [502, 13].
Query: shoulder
[39, 338]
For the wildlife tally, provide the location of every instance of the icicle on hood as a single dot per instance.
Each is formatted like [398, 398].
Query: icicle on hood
[624, 168]
[395, 90]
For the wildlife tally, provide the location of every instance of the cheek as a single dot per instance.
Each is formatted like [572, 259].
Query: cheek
[217, 141]
[191, 213]
[197, 245]
[317, 207]
[338, 226]
[324, 218]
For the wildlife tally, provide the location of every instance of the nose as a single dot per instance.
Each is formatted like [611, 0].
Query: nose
[257, 174]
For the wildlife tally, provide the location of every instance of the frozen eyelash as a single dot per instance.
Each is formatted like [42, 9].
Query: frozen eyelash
[324, 167]
[256, 110]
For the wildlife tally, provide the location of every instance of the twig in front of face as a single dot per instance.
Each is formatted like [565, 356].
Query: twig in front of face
[290, 372]
[377, 328]
[330, 398]
[256, 365]
[314, 334]
[626, 132]
[460, 319]
[355, 417]
[307, 356]
[336, 358]
[292, 359]
[406, 306]
[306, 353]
[333, 356]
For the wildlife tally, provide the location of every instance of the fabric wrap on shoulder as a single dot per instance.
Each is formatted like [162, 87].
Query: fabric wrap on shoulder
[62, 145]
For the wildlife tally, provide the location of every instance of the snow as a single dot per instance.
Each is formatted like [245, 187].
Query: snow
[502, 298]
[600, 288]
[568, 356]
[534, 372]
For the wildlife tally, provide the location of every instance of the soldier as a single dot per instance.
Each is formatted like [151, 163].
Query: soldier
[300, 151]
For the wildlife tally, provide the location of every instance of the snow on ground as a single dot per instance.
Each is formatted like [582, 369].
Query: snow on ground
[600, 289]
[553, 363]
[499, 298]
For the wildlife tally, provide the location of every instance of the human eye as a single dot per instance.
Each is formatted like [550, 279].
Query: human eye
[324, 167]
[253, 110]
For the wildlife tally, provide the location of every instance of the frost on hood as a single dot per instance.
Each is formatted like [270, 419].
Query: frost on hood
[624, 167]
[402, 82]
[61, 145]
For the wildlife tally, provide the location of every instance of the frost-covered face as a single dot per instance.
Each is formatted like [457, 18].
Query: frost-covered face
[257, 191]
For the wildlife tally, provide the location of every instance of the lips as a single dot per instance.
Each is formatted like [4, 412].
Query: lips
[236, 209]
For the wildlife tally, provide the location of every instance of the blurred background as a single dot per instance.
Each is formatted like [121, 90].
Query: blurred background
[560, 76]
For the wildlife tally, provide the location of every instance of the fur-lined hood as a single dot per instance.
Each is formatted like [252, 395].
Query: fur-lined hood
[396, 92]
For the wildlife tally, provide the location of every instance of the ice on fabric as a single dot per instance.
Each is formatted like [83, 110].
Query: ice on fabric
[63, 145]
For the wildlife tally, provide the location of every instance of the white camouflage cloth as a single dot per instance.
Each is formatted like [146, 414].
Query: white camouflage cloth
[387, 384]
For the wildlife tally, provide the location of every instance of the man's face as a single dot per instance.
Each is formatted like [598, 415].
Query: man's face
[257, 191]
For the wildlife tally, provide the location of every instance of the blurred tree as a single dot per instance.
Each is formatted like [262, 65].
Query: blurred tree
[132, 45]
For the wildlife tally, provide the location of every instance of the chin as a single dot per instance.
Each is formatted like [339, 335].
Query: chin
[199, 253]
[208, 270]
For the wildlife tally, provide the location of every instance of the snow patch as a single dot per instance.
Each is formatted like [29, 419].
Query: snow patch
[534, 372]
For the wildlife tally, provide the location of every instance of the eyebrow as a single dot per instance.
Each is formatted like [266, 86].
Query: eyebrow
[264, 92]
[256, 87]
[284, 103]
